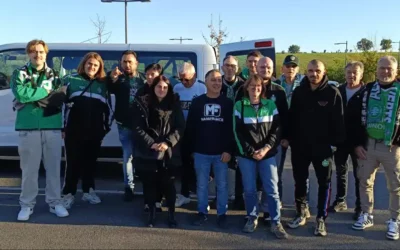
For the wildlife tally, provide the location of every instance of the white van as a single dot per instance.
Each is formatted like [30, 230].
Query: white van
[65, 57]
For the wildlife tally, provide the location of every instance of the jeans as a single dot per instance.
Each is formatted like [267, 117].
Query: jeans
[126, 138]
[202, 165]
[268, 172]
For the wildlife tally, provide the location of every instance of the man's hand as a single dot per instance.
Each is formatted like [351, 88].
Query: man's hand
[225, 157]
[285, 143]
[361, 153]
[162, 147]
[155, 146]
[115, 73]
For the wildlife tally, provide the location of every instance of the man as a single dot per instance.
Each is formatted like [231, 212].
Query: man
[211, 114]
[39, 133]
[376, 136]
[316, 128]
[251, 64]
[353, 73]
[188, 89]
[231, 86]
[124, 86]
[265, 67]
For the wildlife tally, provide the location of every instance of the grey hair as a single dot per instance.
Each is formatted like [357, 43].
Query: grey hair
[355, 64]
[391, 59]
[230, 56]
[187, 68]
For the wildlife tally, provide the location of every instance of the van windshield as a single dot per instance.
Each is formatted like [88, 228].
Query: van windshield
[67, 61]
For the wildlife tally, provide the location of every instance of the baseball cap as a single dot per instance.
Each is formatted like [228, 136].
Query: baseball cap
[291, 59]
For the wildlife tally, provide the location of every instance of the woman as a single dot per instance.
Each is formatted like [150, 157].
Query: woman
[86, 124]
[256, 126]
[157, 129]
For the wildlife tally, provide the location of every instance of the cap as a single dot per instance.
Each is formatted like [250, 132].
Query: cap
[291, 59]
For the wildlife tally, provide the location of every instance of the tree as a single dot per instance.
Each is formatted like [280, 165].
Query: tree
[100, 25]
[283, 52]
[324, 50]
[216, 38]
[365, 44]
[386, 44]
[293, 49]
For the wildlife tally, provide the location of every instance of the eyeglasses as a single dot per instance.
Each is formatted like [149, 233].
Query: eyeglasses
[233, 66]
[184, 80]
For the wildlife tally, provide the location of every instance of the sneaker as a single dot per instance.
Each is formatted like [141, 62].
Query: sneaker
[364, 221]
[128, 194]
[181, 200]
[158, 207]
[68, 200]
[279, 231]
[91, 197]
[297, 221]
[308, 213]
[357, 213]
[146, 208]
[393, 229]
[320, 228]
[338, 206]
[59, 210]
[267, 219]
[200, 220]
[221, 221]
[25, 213]
[251, 225]
[280, 205]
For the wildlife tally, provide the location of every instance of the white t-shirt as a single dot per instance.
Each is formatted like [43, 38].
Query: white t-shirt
[187, 94]
[351, 92]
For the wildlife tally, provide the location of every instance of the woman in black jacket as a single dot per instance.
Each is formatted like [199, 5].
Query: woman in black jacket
[157, 130]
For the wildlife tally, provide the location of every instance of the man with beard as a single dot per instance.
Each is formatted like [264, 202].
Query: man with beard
[124, 86]
[316, 128]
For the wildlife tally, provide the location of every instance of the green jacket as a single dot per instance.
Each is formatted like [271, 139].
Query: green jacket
[28, 86]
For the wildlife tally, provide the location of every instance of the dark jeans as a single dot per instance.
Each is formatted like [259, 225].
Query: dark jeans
[159, 182]
[81, 158]
[342, 168]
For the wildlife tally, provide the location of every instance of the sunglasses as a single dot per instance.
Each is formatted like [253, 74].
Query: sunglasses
[184, 79]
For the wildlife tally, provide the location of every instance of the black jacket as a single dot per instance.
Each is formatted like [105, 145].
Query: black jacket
[316, 117]
[122, 91]
[358, 135]
[237, 94]
[163, 122]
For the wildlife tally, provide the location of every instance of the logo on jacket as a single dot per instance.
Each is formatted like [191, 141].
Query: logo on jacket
[322, 103]
[212, 112]
[325, 163]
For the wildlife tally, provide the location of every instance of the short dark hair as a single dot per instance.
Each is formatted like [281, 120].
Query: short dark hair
[154, 66]
[129, 52]
[230, 56]
[255, 53]
[212, 71]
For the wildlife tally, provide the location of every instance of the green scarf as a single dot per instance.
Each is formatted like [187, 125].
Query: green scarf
[382, 112]
[230, 89]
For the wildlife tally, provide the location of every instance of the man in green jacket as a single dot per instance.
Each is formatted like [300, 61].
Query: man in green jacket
[39, 130]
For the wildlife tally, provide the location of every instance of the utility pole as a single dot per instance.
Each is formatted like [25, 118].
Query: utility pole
[345, 52]
[181, 39]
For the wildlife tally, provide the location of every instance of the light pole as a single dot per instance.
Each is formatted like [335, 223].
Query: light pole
[398, 56]
[345, 52]
[126, 12]
[181, 39]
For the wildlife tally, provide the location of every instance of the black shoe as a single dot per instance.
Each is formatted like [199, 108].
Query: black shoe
[171, 219]
[357, 214]
[200, 219]
[267, 219]
[338, 206]
[152, 216]
[221, 221]
[128, 195]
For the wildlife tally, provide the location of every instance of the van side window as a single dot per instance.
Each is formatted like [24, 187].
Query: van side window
[9, 61]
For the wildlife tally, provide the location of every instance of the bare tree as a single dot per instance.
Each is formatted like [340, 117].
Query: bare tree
[216, 37]
[100, 25]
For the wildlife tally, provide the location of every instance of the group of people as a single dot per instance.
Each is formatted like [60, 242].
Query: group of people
[201, 129]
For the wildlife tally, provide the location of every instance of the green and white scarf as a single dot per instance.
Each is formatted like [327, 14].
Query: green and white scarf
[382, 112]
[230, 88]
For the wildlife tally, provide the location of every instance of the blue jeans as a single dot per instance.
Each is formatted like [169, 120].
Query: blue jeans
[126, 138]
[268, 172]
[202, 165]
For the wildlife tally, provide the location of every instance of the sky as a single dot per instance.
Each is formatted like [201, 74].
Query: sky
[311, 24]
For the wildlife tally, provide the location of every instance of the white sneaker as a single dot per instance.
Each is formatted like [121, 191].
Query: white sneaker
[59, 210]
[25, 213]
[181, 200]
[91, 197]
[393, 229]
[68, 200]
[364, 221]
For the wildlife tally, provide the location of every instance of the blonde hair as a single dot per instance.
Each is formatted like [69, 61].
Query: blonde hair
[31, 46]
[101, 74]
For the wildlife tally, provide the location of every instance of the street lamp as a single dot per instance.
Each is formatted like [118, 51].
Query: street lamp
[126, 11]
[181, 39]
[345, 52]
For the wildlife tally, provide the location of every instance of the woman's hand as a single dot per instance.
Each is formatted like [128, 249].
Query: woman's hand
[259, 154]
[162, 147]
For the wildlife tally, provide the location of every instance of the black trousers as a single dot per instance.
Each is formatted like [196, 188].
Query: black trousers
[159, 182]
[188, 174]
[342, 168]
[81, 161]
[322, 160]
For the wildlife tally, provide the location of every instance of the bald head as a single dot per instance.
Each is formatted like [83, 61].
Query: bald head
[316, 71]
[265, 68]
